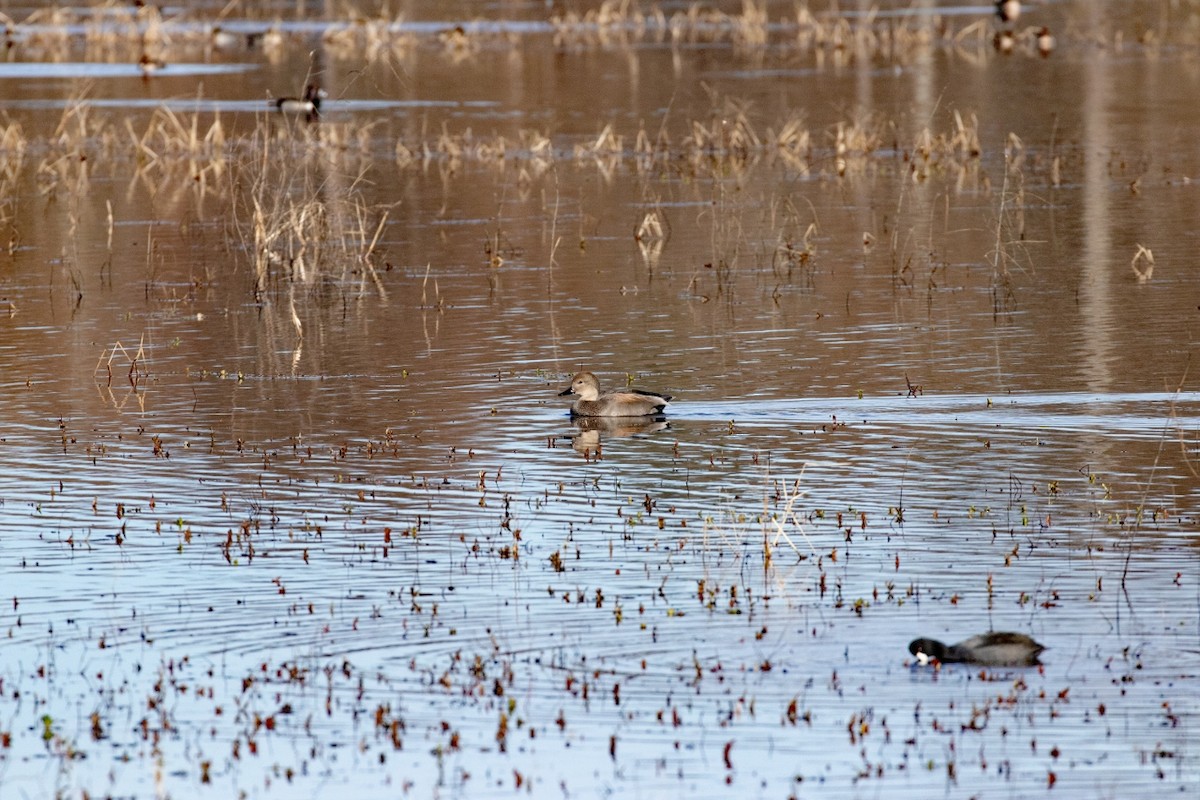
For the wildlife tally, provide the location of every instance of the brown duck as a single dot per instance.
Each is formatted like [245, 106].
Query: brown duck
[591, 402]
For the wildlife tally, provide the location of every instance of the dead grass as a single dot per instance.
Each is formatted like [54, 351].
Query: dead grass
[303, 222]
[116, 30]
[13, 146]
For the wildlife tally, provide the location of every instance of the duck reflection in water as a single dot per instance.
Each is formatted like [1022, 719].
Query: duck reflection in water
[587, 440]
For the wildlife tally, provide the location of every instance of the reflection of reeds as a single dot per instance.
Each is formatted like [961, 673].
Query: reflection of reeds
[304, 224]
[120, 31]
[373, 39]
[775, 526]
[790, 256]
[137, 372]
[174, 137]
[12, 150]
[293, 194]
[726, 143]
[1010, 226]
[1146, 257]
[727, 135]
[606, 151]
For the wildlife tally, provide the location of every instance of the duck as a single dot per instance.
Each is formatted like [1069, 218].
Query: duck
[591, 402]
[309, 104]
[225, 40]
[269, 40]
[1045, 42]
[996, 649]
[1004, 41]
[1008, 10]
[150, 65]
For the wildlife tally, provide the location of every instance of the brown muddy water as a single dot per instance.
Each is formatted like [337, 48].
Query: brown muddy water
[289, 506]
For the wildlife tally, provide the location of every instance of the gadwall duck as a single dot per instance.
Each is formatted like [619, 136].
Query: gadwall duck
[999, 649]
[590, 402]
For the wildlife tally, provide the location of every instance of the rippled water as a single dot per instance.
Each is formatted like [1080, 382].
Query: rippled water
[319, 524]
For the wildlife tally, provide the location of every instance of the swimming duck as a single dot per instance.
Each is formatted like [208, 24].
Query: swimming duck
[1008, 10]
[590, 402]
[997, 649]
[1045, 42]
[309, 105]
[1004, 41]
[225, 40]
[150, 65]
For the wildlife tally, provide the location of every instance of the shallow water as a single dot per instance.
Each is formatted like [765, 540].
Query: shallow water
[303, 515]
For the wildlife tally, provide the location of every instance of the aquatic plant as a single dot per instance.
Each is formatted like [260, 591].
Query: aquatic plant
[302, 221]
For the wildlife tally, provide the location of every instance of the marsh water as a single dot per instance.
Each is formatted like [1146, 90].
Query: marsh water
[290, 507]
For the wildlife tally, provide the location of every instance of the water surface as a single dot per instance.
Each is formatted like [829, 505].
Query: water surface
[289, 506]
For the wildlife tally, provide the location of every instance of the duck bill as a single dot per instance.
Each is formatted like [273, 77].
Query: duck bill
[567, 392]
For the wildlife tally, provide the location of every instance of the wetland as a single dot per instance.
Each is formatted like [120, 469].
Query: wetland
[290, 505]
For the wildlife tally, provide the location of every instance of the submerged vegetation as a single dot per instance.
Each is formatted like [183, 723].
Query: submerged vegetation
[489, 627]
